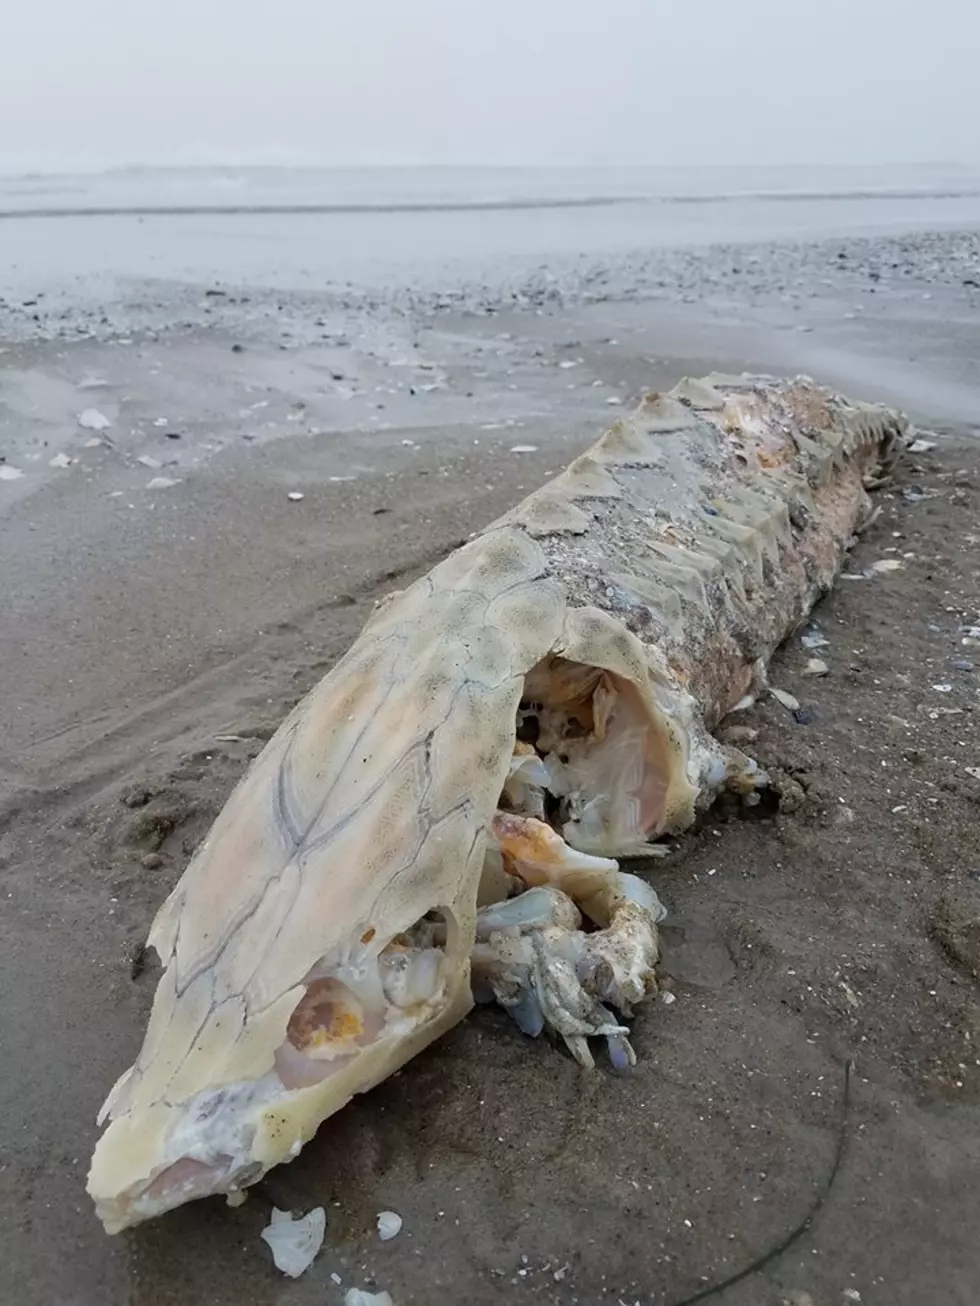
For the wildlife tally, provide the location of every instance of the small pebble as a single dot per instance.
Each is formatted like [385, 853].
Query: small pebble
[151, 861]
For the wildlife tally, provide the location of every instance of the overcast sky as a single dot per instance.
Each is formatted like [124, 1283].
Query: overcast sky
[651, 81]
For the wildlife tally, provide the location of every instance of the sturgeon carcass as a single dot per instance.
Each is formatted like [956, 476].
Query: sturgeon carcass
[442, 814]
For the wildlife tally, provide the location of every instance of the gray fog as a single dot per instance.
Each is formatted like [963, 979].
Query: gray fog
[512, 81]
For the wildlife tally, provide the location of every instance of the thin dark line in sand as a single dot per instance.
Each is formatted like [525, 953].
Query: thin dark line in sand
[798, 1230]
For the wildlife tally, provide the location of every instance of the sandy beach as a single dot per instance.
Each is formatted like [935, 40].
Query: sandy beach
[166, 601]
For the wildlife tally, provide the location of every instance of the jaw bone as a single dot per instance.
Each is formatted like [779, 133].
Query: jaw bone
[322, 934]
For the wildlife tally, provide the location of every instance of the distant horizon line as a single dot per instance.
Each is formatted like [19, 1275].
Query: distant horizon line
[21, 167]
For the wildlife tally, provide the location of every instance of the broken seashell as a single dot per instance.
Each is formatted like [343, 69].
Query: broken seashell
[922, 446]
[295, 1242]
[327, 928]
[92, 420]
[358, 1297]
[389, 1225]
[814, 639]
[888, 564]
[788, 701]
[815, 667]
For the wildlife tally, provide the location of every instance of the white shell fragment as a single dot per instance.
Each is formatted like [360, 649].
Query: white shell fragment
[10, 473]
[524, 448]
[922, 446]
[358, 1297]
[59, 460]
[93, 420]
[389, 1225]
[815, 667]
[294, 495]
[295, 1243]
[814, 639]
[161, 483]
[888, 564]
[788, 701]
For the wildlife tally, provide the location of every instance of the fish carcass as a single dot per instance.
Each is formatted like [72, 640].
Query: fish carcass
[446, 810]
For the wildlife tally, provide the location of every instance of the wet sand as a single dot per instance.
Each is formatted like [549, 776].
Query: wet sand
[143, 626]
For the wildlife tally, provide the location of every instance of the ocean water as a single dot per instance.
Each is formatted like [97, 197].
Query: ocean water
[306, 228]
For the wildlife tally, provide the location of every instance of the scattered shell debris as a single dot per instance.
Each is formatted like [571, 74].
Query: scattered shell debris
[92, 420]
[295, 1242]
